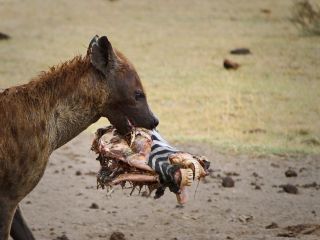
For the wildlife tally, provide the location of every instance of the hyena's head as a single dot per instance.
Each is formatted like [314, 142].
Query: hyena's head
[127, 104]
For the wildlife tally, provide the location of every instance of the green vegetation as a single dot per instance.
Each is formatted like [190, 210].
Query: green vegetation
[269, 105]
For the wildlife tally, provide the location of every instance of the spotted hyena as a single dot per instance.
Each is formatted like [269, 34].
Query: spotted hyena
[44, 114]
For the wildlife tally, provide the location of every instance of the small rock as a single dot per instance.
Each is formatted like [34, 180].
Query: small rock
[227, 182]
[256, 175]
[78, 173]
[255, 130]
[302, 169]
[117, 236]
[311, 185]
[62, 237]
[228, 64]
[4, 36]
[179, 206]
[289, 188]
[241, 51]
[272, 226]
[232, 174]
[286, 235]
[245, 218]
[265, 11]
[274, 165]
[291, 173]
[94, 206]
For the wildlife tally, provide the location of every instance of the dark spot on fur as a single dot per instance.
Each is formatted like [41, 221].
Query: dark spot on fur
[34, 158]
[56, 115]
[14, 131]
[43, 125]
[22, 159]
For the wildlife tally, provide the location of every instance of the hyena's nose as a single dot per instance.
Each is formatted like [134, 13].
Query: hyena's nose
[155, 122]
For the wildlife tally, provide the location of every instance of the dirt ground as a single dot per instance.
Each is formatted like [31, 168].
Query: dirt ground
[60, 207]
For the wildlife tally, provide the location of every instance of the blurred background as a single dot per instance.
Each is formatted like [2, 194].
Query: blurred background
[269, 104]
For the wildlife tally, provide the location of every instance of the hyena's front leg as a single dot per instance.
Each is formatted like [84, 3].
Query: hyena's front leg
[7, 209]
[19, 227]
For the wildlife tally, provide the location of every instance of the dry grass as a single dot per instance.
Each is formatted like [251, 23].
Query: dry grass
[178, 48]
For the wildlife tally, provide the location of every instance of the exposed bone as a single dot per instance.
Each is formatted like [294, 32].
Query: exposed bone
[182, 197]
[124, 159]
[135, 178]
[186, 176]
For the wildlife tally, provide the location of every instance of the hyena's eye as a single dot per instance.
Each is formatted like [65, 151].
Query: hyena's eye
[139, 95]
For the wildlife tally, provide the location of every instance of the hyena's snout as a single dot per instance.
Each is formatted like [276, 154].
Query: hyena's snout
[144, 119]
[154, 121]
[126, 118]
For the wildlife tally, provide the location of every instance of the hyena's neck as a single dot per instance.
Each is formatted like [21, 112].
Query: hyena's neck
[69, 118]
[74, 97]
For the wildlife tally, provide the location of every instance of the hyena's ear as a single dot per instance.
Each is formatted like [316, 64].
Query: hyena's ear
[102, 55]
[93, 40]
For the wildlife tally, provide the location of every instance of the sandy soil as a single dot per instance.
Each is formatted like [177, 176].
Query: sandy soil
[60, 207]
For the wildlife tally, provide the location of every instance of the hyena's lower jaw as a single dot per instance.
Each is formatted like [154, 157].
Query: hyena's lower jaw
[124, 128]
